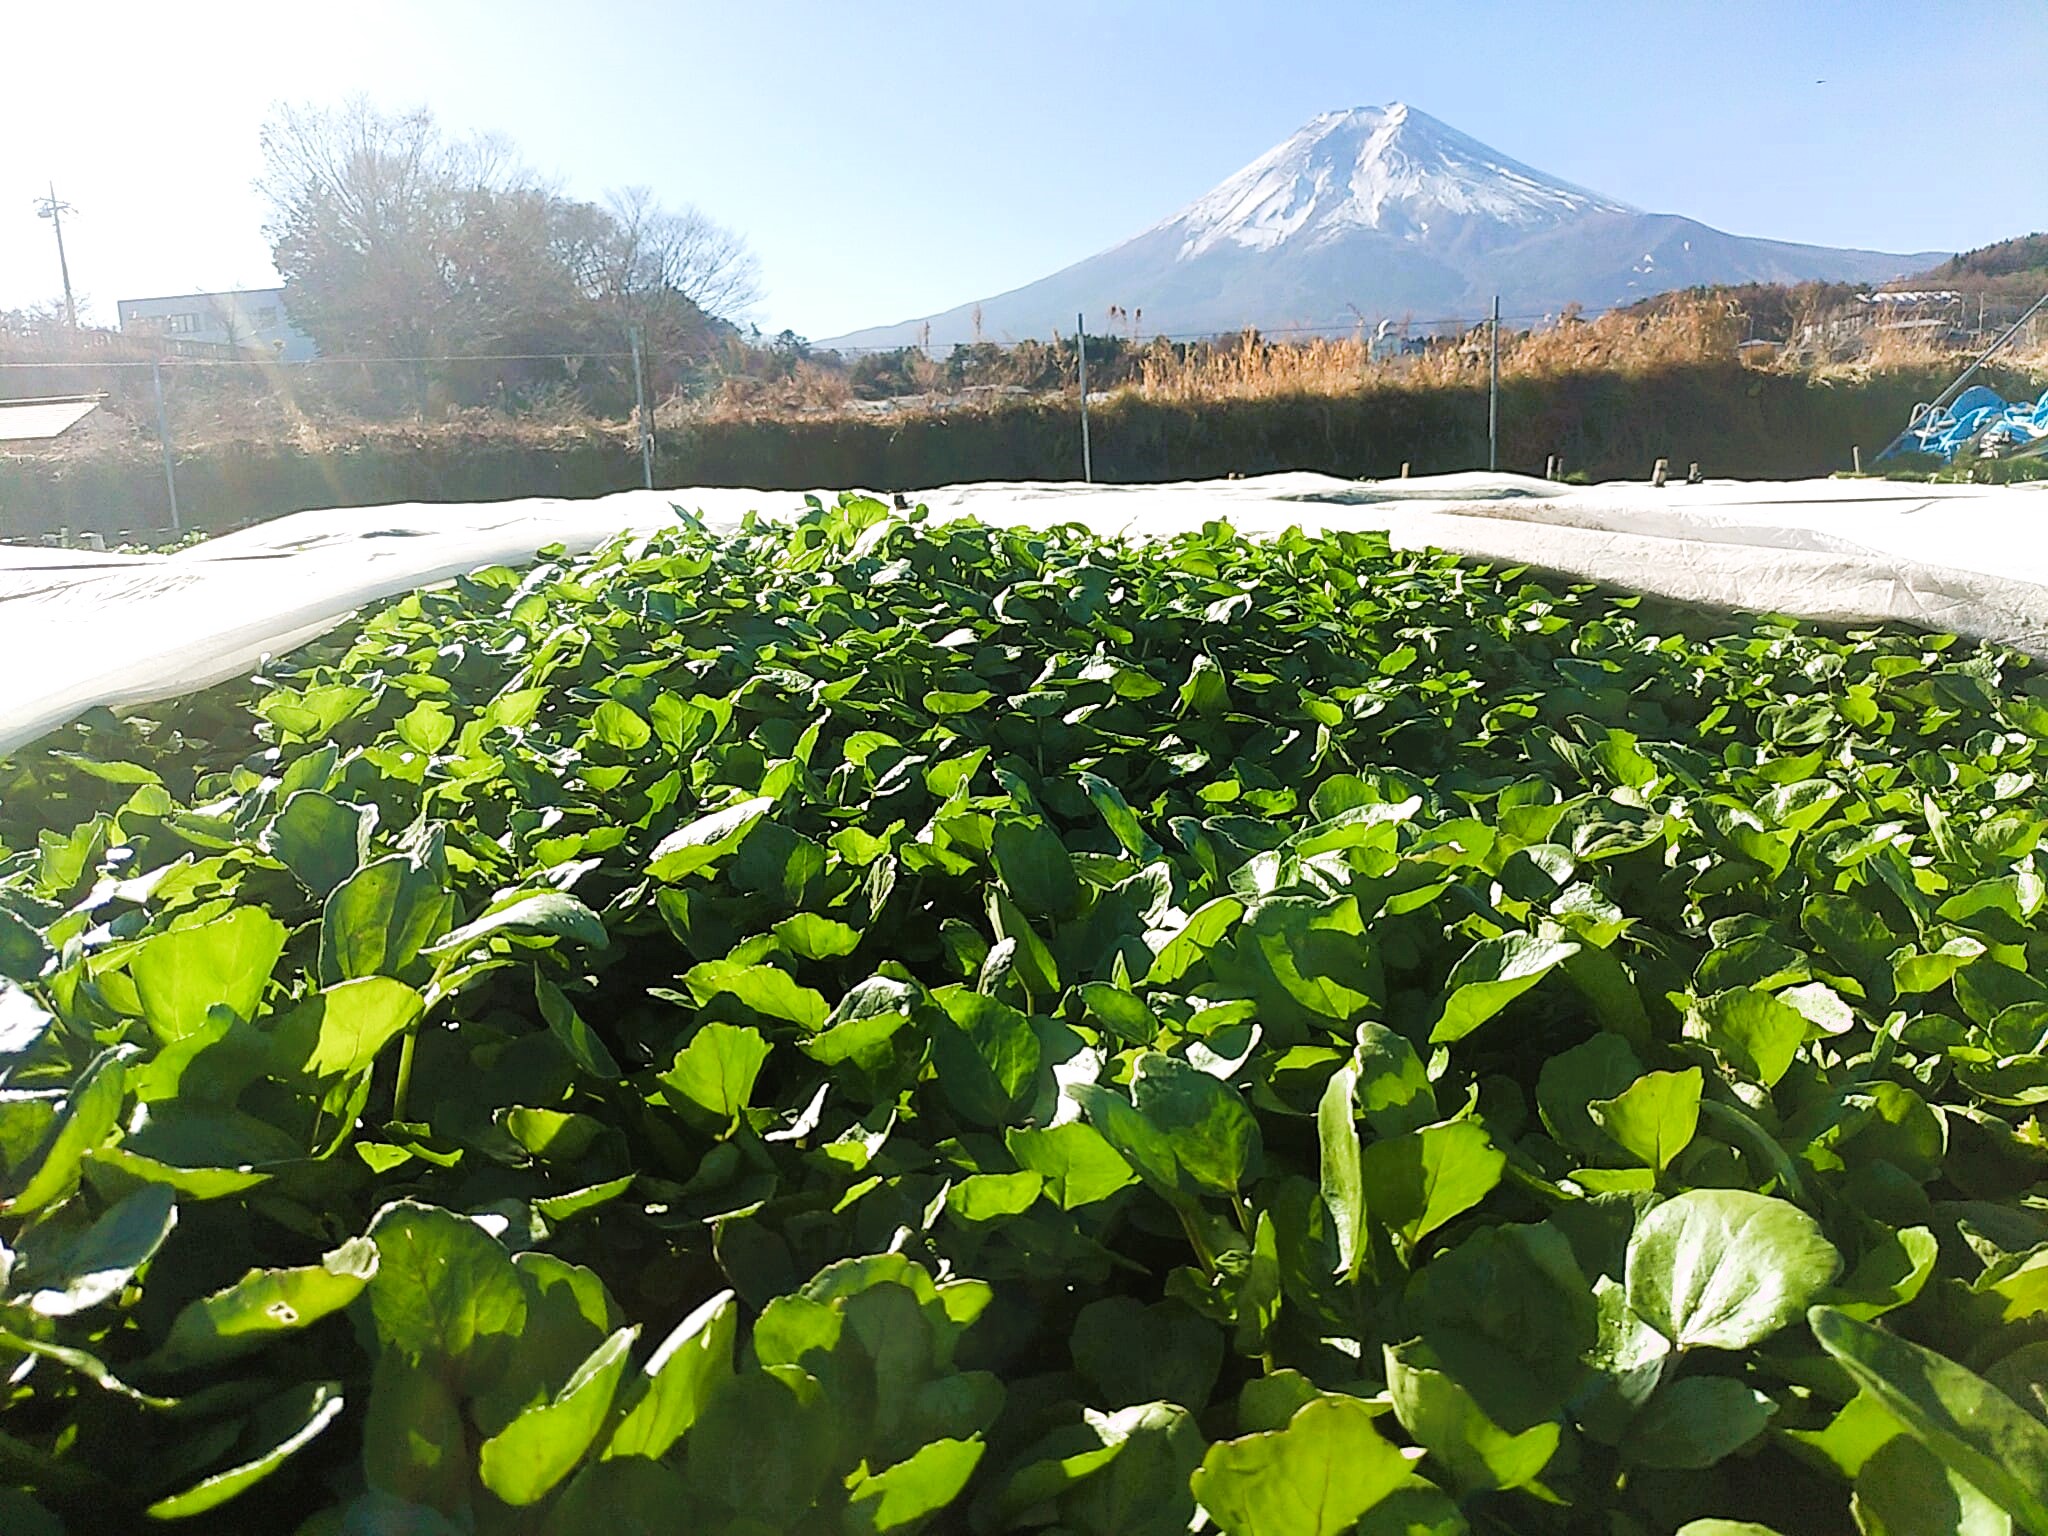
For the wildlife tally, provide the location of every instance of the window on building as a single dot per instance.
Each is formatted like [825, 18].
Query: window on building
[181, 325]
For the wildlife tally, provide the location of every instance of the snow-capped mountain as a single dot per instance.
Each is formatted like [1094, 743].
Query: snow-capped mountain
[1384, 213]
[1394, 170]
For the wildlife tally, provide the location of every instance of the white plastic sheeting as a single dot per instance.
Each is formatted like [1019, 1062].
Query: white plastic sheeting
[24, 420]
[80, 629]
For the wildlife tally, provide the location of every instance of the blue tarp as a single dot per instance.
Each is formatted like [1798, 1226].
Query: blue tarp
[1977, 415]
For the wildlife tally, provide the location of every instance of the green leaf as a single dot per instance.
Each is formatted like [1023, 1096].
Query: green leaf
[1208, 927]
[1654, 1119]
[426, 727]
[679, 1379]
[1964, 1421]
[1417, 1182]
[1207, 691]
[583, 1043]
[182, 973]
[194, 1183]
[920, 1485]
[1130, 1353]
[1316, 1477]
[285, 1425]
[1892, 1271]
[339, 1031]
[547, 914]
[1903, 1490]
[529, 1456]
[1923, 973]
[379, 919]
[99, 1262]
[985, 1197]
[320, 840]
[817, 938]
[416, 1444]
[706, 840]
[613, 724]
[1492, 974]
[1603, 1067]
[266, 1304]
[1852, 1436]
[1078, 1165]
[550, 1135]
[716, 1071]
[1214, 1137]
[1695, 1421]
[1448, 1422]
[1118, 816]
[1343, 1183]
[987, 1056]
[768, 990]
[1393, 1088]
[1754, 1032]
[21, 1515]
[83, 1123]
[444, 1289]
[763, 1447]
[1033, 865]
[1726, 1268]
[940, 702]
[628, 1497]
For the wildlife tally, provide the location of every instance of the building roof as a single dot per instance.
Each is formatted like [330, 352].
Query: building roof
[224, 293]
[22, 420]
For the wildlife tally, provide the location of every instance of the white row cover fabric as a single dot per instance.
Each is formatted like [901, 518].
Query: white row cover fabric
[83, 629]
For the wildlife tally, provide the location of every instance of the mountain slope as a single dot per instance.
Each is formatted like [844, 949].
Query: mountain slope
[1384, 213]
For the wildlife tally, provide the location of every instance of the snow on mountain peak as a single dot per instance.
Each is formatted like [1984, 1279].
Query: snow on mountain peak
[1394, 169]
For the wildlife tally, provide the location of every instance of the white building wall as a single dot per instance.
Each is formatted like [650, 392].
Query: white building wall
[252, 318]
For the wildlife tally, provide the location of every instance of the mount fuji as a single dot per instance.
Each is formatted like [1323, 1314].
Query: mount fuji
[1384, 213]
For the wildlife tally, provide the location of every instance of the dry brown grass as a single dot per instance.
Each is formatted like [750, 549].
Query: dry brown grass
[1254, 367]
[1899, 351]
[808, 390]
[345, 409]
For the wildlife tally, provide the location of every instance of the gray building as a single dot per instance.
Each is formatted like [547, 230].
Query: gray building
[250, 319]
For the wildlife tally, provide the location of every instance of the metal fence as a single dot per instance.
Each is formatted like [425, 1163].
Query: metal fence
[162, 397]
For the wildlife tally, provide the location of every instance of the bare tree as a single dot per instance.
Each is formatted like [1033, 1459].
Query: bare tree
[680, 251]
[395, 239]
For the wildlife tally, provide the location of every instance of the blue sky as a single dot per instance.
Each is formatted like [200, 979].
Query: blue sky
[887, 159]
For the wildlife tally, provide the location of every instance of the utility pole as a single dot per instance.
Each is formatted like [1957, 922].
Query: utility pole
[49, 208]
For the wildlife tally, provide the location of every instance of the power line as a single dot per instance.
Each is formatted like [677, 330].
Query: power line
[332, 362]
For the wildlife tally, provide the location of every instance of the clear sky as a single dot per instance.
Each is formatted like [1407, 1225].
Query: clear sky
[887, 159]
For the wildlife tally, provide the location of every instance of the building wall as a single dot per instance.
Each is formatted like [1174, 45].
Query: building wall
[252, 318]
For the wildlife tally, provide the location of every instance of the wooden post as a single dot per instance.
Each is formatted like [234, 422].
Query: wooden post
[1856, 459]
[1493, 394]
[163, 437]
[1550, 467]
[1081, 365]
[640, 416]
[1404, 469]
[1660, 473]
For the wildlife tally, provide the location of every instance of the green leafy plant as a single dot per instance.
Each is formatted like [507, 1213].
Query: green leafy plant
[863, 1026]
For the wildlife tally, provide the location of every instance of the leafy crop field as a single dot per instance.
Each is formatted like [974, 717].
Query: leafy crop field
[864, 1027]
